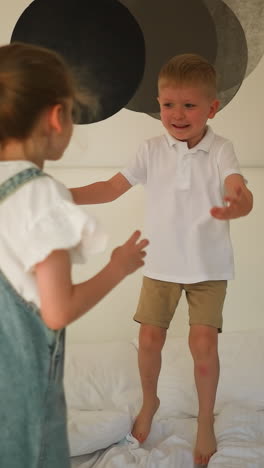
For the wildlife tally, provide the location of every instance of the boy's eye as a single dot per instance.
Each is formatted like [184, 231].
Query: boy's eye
[167, 104]
[189, 105]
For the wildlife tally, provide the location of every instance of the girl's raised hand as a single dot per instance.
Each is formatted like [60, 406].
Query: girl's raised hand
[129, 257]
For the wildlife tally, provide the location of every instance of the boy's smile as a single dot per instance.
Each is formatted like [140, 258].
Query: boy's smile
[184, 111]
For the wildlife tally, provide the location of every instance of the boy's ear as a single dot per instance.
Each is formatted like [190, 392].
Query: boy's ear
[213, 108]
[55, 118]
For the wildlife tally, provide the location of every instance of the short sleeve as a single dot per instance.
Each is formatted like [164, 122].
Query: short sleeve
[227, 161]
[54, 222]
[136, 171]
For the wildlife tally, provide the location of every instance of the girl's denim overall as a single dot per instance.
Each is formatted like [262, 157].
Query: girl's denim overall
[33, 431]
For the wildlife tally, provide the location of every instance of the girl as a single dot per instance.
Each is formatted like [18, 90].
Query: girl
[42, 233]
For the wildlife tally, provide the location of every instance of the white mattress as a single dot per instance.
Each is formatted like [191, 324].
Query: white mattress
[104, 396]
[240, 438]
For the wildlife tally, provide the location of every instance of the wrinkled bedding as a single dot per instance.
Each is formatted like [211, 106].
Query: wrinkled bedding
[103, 396]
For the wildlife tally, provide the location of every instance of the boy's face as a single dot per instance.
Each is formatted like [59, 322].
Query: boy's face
[184, 111]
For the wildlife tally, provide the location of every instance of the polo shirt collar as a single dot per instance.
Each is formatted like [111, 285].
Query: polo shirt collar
[203, 145]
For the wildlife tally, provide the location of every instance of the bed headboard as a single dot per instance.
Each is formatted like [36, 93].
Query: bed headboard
[112, 318]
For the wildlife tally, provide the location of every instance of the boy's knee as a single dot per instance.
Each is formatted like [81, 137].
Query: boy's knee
[152, 338]
[203, 344]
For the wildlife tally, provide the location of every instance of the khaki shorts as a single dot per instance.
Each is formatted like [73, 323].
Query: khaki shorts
[159, 299]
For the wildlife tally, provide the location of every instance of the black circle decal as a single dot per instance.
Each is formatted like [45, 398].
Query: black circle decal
[100, 38]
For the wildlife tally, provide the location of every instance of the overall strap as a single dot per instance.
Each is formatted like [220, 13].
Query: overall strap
[16, 181]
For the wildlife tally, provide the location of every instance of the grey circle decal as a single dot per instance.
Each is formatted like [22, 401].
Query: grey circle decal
[169, 31]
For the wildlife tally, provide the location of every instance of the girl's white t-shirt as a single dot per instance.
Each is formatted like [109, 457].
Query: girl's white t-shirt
[37, 219]
[187, 245]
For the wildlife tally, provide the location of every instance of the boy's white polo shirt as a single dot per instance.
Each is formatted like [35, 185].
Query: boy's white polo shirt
[187, 245]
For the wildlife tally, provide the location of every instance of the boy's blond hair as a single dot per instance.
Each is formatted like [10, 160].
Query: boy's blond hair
[188, 69]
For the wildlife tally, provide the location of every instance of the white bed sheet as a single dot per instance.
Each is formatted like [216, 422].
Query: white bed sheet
[240, 437]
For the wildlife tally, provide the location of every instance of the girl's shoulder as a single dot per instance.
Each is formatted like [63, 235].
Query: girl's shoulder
[25, 176]
[48, 189]
[30, 199]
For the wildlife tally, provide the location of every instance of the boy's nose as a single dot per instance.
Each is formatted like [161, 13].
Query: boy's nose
[178, 112]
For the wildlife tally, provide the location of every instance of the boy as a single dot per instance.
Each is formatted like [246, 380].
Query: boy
[193, 180]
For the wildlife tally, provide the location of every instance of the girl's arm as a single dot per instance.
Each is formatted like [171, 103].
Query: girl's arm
[239, 199]
[63, 302]
[101, 192]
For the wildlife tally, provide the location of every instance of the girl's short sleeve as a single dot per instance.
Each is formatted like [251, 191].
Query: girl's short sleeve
[54, 222]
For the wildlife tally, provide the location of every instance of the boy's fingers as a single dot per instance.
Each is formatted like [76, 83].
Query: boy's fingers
[239, 191]
[237, 198]
[220, 213]
[231, 199]
[216, 210]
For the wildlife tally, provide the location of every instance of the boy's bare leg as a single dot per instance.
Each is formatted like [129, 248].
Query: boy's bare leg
[151, 341]
[203, 345]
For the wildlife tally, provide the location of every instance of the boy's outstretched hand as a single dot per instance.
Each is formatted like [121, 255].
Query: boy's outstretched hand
[129, 256]
[239, 200]
[233, 207]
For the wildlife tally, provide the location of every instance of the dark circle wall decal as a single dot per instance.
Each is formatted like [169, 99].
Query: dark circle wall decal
[232, 54]
[168, 31]
[100, 38]
[251, 17]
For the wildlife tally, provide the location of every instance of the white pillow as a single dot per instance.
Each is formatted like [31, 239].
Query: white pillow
[241, 375]
[89, 431]
[237, 423]
[102, 376]
[240, 438]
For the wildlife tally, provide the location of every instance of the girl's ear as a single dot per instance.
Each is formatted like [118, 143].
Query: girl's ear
[55, 118]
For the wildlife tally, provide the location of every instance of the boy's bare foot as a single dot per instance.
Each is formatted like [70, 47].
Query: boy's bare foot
[205, 442]
[142, 424]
